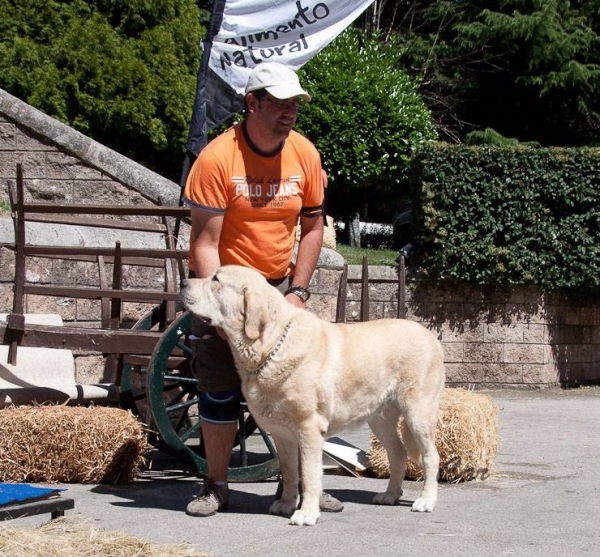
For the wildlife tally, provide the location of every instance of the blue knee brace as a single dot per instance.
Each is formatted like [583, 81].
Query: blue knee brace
[221, 407]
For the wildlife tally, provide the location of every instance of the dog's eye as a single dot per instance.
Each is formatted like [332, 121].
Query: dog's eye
[215, 278]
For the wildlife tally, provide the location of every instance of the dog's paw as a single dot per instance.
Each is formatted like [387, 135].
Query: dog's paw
[386, 498]
[424, 505]
[283, 508]
[304, 518]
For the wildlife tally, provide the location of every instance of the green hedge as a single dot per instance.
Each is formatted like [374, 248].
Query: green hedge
[508, 215]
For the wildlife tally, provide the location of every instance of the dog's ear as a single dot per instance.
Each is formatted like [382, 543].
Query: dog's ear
[255, 314]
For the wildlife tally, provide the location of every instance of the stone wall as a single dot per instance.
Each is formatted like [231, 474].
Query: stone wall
[493, 338]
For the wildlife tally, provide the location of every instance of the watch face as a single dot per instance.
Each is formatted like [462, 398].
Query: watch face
[303, 295]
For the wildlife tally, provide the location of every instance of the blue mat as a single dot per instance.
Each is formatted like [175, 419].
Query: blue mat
[23, 493]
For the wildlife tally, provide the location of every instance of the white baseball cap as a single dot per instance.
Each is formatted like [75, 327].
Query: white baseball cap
[279, 81]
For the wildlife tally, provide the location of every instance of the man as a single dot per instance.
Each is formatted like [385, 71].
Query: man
[246, 192]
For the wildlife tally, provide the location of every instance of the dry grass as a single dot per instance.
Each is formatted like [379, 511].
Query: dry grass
[467, 439]
[73, 538]
[70, 444]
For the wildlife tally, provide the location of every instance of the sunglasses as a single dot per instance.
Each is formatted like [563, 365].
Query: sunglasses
[286, 104]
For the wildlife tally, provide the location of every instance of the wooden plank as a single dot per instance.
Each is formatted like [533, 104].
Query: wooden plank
[364, 294]
[402, 288]
[149, 296]
[91, 209]
[41, 251]
[54, 505]
[123, 341]
[109, 260]
[114, 224]
[340, 310]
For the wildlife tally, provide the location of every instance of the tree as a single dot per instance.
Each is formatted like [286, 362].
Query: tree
[123, 73]
[527, 68]
[366, 118]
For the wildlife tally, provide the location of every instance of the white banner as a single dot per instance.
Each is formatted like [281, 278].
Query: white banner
[287, 31]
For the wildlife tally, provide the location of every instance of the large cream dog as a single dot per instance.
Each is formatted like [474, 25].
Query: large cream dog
[305, 379]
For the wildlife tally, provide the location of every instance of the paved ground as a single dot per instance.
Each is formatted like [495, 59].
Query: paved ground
[542, 500]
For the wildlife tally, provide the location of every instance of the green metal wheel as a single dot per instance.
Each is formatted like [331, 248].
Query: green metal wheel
[172, 394]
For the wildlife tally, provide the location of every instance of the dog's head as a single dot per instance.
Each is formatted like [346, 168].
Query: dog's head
[234, 298]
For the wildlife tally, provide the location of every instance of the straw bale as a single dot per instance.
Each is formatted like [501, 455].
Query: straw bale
[70, 444]
[467, 439]
[71, 537]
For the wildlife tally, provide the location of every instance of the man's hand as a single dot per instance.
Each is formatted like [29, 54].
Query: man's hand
[295, 301]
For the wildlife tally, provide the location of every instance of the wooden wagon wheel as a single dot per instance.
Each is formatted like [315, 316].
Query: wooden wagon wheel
[173, 402]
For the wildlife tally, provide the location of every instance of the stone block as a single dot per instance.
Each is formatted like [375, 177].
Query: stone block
[464, 373]
[6, 297]
[99, 191]
[503, 332]
[8, 136]
[58, 191]
[34, 167]
[27, 142]
[7, 265]
[454, 352]
[535, 333]
[132, 312]
[8, 164]
[87, 310]
[483, 352]
[90, 369]
[143, 277]
[465, 332]
[62, 166]
[78, 273]
[65, 307]
[524, 353]
[323, 306]
[501, 373]
[540, 374]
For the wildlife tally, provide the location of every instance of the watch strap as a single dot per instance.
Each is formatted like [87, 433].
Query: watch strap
[300, 291]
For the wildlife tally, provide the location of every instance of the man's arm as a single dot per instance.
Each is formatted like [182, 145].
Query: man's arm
[309, 248]
[206, 233]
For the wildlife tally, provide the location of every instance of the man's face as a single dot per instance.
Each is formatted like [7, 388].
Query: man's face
[277, 115]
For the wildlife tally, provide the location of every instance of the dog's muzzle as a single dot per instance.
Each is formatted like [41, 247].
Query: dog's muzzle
[183, 284]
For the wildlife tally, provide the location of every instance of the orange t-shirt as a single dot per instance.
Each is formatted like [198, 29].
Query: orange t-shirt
[260, 198]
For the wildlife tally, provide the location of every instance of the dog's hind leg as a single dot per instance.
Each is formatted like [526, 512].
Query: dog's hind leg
[385, 428]
[287, 450]
[420, 424]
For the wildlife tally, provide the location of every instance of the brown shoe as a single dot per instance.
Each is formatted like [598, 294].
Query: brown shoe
[327, 502]
[212, 498]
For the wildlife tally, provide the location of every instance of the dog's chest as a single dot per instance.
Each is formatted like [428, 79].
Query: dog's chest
[270, 411]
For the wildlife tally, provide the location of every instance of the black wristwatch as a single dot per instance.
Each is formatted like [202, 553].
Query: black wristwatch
[299, 291]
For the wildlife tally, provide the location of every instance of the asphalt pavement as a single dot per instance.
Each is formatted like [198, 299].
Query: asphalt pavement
[542, 499]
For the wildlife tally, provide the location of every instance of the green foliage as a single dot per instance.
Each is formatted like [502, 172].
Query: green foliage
[366, 118]
[492, 137]
[527, 68]
[508, 216]
[122, 72]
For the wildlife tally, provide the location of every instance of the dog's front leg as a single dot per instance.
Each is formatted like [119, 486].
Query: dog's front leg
[287, 450]
[311, 468]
